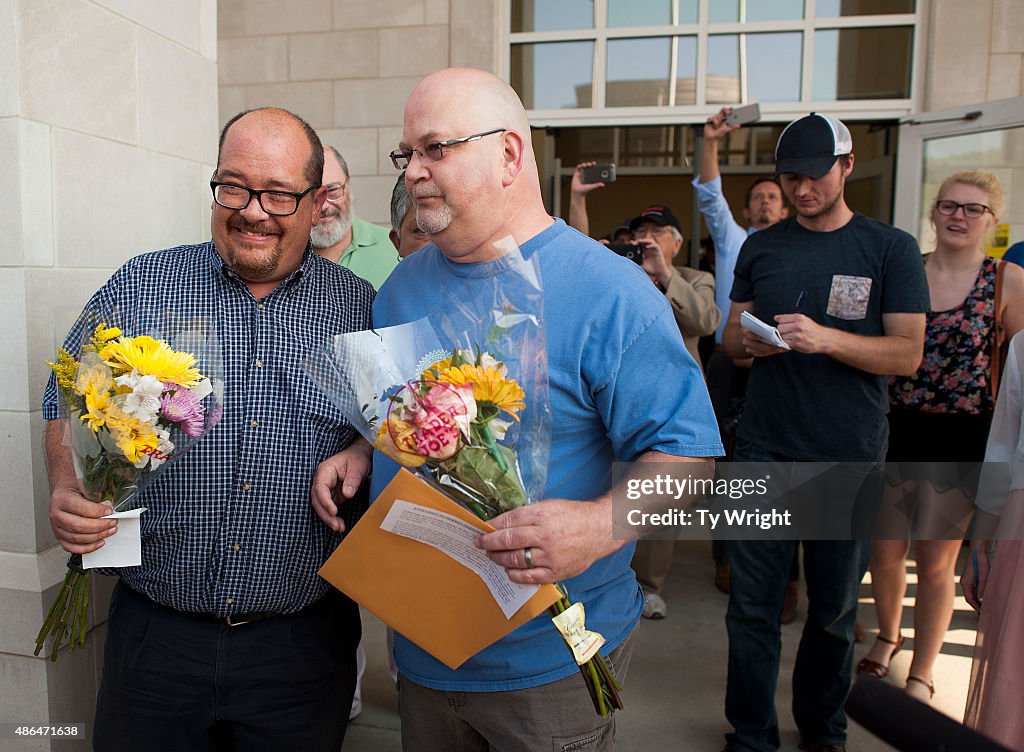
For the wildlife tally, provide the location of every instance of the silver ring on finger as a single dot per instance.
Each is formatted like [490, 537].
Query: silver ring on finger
[528, 557]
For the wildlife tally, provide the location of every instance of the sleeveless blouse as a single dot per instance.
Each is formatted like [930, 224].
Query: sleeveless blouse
[954, 374]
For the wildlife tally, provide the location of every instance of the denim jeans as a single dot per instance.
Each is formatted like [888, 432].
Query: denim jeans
[824, 662]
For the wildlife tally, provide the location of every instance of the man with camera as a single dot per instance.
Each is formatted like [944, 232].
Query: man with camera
[691, 293]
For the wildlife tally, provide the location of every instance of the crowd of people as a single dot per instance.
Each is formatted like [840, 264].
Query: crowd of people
[226, 638]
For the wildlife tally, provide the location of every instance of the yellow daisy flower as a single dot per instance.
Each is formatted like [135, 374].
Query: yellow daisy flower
[97, 404]
[151, 357]
[489, 387]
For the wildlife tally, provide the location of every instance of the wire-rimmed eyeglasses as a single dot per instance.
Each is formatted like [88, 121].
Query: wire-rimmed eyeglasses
[401, 156]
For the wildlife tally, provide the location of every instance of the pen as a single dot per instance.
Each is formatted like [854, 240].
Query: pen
[800, 300]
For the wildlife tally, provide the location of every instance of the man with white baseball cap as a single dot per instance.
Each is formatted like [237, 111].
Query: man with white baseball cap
[848, 294]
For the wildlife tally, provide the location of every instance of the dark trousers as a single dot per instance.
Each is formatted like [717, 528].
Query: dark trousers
[760, 571]
[176, 681]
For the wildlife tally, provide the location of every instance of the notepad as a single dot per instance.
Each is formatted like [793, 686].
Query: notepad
[765, 331]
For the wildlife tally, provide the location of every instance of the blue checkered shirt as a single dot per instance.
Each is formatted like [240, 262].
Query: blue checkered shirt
[230, 528]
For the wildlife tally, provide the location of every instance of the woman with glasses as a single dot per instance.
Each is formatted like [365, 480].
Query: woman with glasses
[938, 425]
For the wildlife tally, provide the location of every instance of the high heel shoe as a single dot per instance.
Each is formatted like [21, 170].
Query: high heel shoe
[930, 685]
[874, 668]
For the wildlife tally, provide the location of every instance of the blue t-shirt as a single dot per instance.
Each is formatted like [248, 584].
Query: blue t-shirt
[621, 384]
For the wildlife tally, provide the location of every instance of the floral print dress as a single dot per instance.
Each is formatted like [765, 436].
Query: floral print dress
[954, 374]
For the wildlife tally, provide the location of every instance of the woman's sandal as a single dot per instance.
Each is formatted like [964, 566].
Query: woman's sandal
[927, 683]
[876, 669]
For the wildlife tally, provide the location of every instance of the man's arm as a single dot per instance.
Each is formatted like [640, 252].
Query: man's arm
[693, 303]
[897, 352]
[565, 537]
[742, 344]
[74, 519]
[578, 191]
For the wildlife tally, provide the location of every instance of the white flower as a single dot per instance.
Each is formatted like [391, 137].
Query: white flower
[499, 427]
[144, 400]
[488, 361]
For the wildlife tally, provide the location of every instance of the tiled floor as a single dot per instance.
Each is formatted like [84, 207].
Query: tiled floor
[677, 678]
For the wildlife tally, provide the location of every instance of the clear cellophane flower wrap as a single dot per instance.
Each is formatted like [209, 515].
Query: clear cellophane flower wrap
[460, 398]
[133, 405]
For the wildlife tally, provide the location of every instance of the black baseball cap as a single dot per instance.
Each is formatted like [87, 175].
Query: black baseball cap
[810, 145]
[659, 215]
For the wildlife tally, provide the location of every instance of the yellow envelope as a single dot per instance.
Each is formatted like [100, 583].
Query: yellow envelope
[439, 604]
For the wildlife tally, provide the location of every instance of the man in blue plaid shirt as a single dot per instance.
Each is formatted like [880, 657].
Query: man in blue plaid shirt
[225, 637]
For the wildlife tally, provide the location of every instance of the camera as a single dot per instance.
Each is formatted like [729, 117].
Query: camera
[630, 250]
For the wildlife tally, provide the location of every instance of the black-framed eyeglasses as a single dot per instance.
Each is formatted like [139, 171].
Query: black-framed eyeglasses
[336, 191]
[948, 208]
[277, 203]
[401, 156]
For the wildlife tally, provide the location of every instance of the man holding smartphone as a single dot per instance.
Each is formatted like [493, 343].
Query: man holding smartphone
[726, 378]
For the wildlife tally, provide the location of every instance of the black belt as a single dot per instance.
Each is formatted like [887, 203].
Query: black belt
[237, 620]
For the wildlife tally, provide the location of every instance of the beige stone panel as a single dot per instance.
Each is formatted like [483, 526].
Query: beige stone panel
[276, 17]
[40, 481]
[36, 194]
[371, 102]
[333, 55]
[14, 343]
[138, 201]
[230, 18]
[1007, 26]
[178, 20]
[312, 101]
[11, 253]
[1004, 76]
[231, 101]
[435, 11]
[389, 139]
[474, 35]
[28, 677]
[414, 51]
[177, 100]
[373, 201]
[357, 145]
[72, 686]
[8, 58]
[21, 615]
[49, 318]
[78, 70]
[252, 60]
[18, 533]
[208, 28]
[360, 14]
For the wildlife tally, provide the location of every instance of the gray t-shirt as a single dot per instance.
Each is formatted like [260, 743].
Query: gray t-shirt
[812, 407]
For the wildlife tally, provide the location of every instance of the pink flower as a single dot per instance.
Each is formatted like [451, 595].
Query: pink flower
[181, 407]
[439, 417]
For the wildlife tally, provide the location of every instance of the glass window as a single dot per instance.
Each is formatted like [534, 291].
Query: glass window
[877, 63]
[638, 12]
[687, 11]
[686, 71]
[775, 10]
[638, 71]
[765, 138]
[723, 77]
[538, 15]
[773, 67]
[723, 11]
[837, 8]
[553, 76]
[575, 145]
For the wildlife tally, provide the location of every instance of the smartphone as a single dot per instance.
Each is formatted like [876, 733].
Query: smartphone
[631, 251]
[749, 113]
[599, 173]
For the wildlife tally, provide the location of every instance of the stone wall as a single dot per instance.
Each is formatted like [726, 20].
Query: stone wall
[108, 125]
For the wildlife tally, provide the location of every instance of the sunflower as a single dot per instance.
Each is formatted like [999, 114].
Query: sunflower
[151, 357]
[490, 386]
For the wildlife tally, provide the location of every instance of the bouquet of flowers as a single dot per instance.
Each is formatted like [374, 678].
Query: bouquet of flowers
[461, 399]
[133, 405]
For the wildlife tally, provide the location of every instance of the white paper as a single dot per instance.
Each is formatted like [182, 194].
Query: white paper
[123, 548]
[454, 538]
[765, 331]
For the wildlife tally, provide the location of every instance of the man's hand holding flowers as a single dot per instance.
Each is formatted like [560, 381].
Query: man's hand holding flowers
[564, 537]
